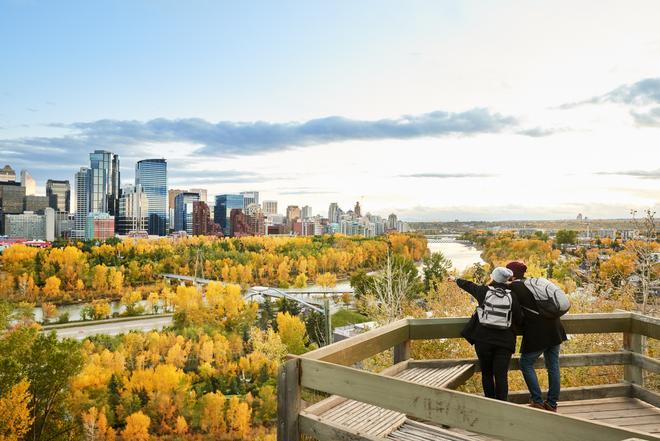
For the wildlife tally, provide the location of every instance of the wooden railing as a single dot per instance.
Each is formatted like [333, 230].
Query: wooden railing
[328, 370]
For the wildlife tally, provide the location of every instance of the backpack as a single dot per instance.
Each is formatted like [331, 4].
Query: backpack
[551, 301]
[495, 312]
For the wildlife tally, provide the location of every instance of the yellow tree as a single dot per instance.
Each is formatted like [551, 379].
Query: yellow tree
[301, 281]
[137, 427]
[100, 278]
[49, 311]
[327, 280]
[181, 426]
[15, 416]
[116, 279]
[238, 418]
[52, 287]
[213, 412]
[292, 332]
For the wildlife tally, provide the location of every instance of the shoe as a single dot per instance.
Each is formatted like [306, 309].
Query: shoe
[549, 407]
[536, 405]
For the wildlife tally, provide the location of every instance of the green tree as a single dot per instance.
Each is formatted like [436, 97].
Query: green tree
[436, 268]
[566, 237]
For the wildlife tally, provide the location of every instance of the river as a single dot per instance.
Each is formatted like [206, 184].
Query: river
[462, 256]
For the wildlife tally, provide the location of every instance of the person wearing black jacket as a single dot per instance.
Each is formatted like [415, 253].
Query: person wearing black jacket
[541, 336]
[494, 347]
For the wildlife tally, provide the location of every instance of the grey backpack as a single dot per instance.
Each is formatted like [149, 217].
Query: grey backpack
[551, 301]
[495, 312]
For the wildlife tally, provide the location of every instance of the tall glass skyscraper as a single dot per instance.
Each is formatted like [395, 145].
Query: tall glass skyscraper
[224, 203]
[59, 195]
[104, 182]
[82, 186]
[151, 175]
[182, 213]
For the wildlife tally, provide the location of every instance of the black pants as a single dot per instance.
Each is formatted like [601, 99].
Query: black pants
[494, 361]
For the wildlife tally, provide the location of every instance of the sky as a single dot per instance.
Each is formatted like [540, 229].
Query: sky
[434, 110]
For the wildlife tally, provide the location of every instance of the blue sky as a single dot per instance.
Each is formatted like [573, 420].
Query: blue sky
[431, 109]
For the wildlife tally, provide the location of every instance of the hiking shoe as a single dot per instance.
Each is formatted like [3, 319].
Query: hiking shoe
[536, 405]
[549, 407]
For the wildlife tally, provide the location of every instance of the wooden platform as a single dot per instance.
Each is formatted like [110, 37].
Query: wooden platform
[630, 413]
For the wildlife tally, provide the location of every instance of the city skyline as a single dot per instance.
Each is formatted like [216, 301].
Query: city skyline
[421, 114]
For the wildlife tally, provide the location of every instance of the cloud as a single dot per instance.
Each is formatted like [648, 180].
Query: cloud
[192, 177]
[641, 93]
[649, 118]
[538, 132]
[643, 174]
[446, 175]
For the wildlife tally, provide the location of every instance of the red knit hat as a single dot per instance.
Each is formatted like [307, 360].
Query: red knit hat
[518, 269]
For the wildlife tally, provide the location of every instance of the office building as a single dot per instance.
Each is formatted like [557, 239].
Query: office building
[333, 213]
[171, 195]
[36, 204]
[59, 195]
[64, 224]
[99, 226]
[104, 182]
[249, 198]
[82, 182]
[12, 197]
[203, 193]
[357, 210]
[28, 182]
[133, 211]
[183, 210]
[269, 207]
[392, 221]
[7, 174]
[31, 226]
[307, 212]
[292, 214]
[224, 204]
[151, 176]
[201, 219]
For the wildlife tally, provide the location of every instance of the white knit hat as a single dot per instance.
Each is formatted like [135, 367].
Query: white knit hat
[501, 274]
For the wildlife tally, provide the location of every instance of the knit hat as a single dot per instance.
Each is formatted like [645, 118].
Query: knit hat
[501, 274]
[518, 269]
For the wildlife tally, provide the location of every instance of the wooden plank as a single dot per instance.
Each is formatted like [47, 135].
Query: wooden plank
[565, 360]
[426, 329]
[459, 377]
[325, 430]
[288, 401]
[402, 352]
[646, 363]
[354, 349]
[633, 373]
[648, 396]
[597, 323]
[598, 415]
[456, 409]
[631, 421]
[645, 325]
[579, 393]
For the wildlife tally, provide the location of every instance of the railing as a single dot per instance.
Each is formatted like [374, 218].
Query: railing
[328, 370]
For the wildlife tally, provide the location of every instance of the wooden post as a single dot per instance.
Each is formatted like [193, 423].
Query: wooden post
[288, 401]
[402, 352]
[632, 372]
[328, 322]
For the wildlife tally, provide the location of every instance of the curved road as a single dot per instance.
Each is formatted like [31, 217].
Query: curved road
[112, 328]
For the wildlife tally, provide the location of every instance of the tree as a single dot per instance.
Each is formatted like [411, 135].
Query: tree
[397, 283]
[238, 418]
[49, 311]
[327, 280]
[181, 428]
[15, 416]
[436, 268]
[212, 420]
[137, 427]
[301, 281]
[566, 237]
[292, 332]
[645, 252]
[52, 287]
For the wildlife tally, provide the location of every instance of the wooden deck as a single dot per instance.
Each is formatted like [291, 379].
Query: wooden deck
[631, 413]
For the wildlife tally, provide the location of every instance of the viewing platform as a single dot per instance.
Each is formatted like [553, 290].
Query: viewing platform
[416, 400]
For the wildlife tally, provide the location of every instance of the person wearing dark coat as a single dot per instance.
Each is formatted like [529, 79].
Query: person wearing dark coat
[494, 347]
[541, 336]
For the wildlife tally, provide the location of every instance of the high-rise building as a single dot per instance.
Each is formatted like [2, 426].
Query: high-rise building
[104, 182]
[358, 210]
[392, 221]
[36, 204]
[202, 225]
[249, 198]
[7, 174]
[82, 183]
[12, 196]
[133, 211]
[31, 226]
[203, 193]
[269, 207]
[224, 204]
[183, 210]
[28, 182]
[292, 214]
[333, 213]
[307, 212]
[151, 176]
[99, 226]
[59, 195]
[171, 196]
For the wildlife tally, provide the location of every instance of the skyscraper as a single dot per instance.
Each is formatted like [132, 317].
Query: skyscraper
[224, 203]
[133, 210]
[7, 174]
[203, 193]
[333, 213]
[270, 207]
[249, 198]
[151, 176]
[183, 210]
[82, 184]
[358, 210]
[59, 195]
[28, 182]
[307, 212]
[104, 182]
[292, 214]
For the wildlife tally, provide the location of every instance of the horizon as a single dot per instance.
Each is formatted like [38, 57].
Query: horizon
[434, 111]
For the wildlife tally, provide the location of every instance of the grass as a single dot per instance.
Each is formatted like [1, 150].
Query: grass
[347, 317]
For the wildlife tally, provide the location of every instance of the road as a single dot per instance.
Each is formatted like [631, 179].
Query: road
[113, 328]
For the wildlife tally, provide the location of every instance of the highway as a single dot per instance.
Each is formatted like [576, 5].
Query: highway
[112, 327]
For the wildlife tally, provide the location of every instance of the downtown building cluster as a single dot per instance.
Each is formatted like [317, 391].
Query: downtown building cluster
[146, 207]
